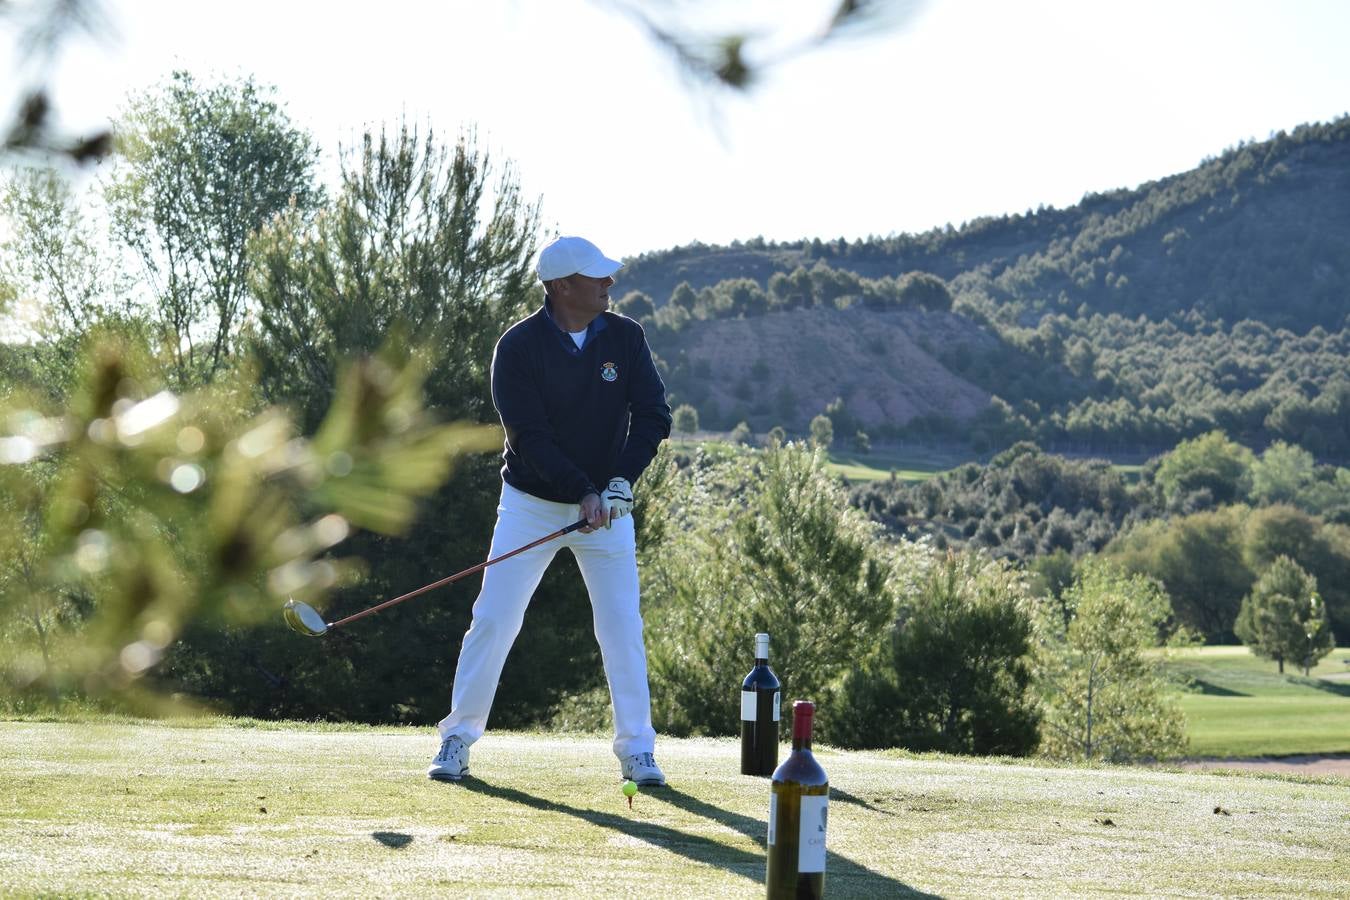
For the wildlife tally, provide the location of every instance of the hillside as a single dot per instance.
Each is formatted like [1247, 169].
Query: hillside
[726, 368]
[1259, 232]
[1216, 298]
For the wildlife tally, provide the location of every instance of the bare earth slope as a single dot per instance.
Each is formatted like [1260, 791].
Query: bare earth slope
[883, 364]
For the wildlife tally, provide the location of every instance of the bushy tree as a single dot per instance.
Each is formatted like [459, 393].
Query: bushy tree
[956, 675]
[636, 305]
[924, 291]
[1281, 473]
[424, 237]
[202, 168]
[756, 542]
[1103, 690]
[427, 244]
[822, 432]
[684, 419]
[51, 256]
[1210, 463]
[1199, 561]
[1284, 619]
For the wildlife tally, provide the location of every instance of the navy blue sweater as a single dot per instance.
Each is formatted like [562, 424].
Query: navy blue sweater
[574, 419]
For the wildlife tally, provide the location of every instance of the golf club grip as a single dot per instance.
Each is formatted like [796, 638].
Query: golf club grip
[580, 523]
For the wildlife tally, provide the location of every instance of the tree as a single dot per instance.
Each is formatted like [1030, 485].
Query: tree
[923, 291]
[202, 168]
[636, 305]
[421, 238]
[1104, 692]
[956, 675]
[822, 432]
[685, 419]
[1210, 462]
[1283, 618]
[683, 297]
[1281, 473]
[52, 256]
[741, 434]
[430, 245]
[752, 542]
[1199, 561]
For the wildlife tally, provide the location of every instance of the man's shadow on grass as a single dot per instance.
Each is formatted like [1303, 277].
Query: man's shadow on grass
[845, 877]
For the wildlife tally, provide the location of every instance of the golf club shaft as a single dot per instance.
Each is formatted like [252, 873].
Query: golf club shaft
[580, 523]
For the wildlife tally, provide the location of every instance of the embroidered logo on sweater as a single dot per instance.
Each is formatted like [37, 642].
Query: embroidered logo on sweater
[609, 371]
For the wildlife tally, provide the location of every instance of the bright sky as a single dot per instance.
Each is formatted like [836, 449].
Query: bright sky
[971, 108]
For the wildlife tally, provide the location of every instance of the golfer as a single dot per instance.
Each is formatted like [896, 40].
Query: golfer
[584, 411]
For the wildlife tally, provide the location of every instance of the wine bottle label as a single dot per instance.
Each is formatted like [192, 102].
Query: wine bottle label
[773, 818]
[749, 700]
[811, 846]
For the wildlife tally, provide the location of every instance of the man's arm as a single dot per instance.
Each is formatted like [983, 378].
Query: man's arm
[649, 415]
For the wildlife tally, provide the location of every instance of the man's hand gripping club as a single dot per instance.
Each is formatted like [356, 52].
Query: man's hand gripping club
[602, 509]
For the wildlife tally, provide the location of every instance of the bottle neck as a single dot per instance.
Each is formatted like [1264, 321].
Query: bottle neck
[761, 660]
[803, 717]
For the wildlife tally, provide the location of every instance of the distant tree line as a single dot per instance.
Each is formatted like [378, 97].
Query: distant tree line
[820, 285]
[1255, 233]
[1095, 383]
[1205, 520]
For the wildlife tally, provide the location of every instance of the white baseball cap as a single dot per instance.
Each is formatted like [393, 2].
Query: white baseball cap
[569, 255]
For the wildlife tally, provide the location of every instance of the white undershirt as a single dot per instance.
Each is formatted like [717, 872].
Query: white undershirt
[578, 337]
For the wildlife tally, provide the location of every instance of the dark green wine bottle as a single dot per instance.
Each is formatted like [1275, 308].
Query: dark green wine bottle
[798, 813]
[760, 694]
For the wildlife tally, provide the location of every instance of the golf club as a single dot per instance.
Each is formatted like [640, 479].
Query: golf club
[306, 620]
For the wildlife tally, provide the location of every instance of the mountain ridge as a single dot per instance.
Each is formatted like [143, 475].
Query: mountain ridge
[1053, 316]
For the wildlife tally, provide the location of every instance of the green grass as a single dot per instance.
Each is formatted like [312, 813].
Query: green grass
[908, 464]
[1240, 706]
[124, 808]
[881, 463]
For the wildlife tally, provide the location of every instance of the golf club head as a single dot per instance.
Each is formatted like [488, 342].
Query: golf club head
[303, 618]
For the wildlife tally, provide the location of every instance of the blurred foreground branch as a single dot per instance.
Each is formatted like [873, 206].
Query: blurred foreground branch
[40, 28]
[138, 511]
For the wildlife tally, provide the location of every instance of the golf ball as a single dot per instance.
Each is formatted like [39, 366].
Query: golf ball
[629, 788]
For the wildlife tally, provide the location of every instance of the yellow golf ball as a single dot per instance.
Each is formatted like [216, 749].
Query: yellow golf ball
[629, 788]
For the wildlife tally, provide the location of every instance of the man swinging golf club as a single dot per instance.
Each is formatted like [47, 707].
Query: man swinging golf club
[584, 411]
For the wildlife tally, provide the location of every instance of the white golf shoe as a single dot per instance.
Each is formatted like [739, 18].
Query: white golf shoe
[642, 768]
[452, 763]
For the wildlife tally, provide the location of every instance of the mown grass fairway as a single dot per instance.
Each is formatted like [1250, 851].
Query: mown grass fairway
[1240, 705]
[239, 809]
[881, 463]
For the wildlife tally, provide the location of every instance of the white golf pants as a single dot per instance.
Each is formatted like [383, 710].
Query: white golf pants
[608, 562]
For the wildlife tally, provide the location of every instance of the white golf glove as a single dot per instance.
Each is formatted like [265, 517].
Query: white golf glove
[618, 496]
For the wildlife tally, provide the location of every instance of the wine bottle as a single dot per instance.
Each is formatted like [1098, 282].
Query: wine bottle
[798, 810]
[759, 714]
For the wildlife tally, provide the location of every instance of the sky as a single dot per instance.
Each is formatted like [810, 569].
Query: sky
[954, 110]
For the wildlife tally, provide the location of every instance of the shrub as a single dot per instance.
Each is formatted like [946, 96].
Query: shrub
[685, 419]
[759, 542]
[955, 676]
[1105, 694]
